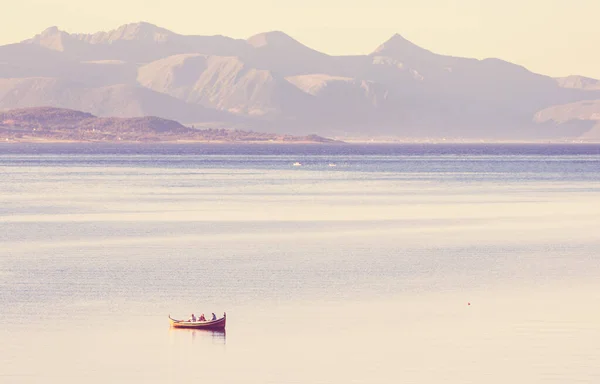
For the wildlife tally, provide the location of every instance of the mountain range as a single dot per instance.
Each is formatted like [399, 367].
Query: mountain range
[271, 82]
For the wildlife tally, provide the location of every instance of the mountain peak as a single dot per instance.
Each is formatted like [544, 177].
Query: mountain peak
[141, 26]
[50, 31]
[140, 31]
[398, 46]
[273, 38]
[51, 38]
[396, 37]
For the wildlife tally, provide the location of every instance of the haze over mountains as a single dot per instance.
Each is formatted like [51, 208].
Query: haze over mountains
[271, 82]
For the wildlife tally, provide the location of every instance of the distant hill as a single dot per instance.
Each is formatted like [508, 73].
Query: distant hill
[579, 82]
[273, 83]
[582, 115]
[57, 124]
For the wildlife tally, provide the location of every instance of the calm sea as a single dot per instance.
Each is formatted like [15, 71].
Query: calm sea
[364, 264]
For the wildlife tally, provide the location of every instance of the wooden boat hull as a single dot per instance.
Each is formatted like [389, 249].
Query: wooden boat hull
[215, 325]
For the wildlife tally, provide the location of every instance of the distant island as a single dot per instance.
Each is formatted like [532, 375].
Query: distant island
[48, 124]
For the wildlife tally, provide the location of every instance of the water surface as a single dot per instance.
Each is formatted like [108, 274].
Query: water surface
[401, 263]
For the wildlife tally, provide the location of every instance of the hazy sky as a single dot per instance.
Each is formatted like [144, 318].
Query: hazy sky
[554, 37]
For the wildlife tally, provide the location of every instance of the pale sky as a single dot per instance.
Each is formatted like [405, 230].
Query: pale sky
[553, 37]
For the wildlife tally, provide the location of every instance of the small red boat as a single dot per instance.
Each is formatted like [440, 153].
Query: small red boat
[218, 324]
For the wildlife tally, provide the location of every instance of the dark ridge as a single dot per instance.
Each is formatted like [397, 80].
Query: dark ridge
[58, 124]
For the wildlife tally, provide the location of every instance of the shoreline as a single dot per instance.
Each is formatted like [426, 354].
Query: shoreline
[273, 142]
[332, 142]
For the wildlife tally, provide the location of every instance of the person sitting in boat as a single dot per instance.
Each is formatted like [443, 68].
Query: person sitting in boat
[214, 317]
[192, 318]
[202, 318]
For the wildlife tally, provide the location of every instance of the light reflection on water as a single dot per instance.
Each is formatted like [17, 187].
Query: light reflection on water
[197, 336]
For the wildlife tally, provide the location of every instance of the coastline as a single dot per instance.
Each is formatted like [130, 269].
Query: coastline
[140, 142]
[338, 141]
